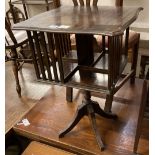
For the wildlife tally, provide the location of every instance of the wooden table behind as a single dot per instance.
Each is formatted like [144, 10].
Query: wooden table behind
[52, 114]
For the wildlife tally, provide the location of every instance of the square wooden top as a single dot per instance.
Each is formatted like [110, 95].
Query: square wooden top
[106, 20]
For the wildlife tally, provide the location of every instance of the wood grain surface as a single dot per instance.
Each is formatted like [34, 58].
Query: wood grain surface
[53, 113]
[106, 20]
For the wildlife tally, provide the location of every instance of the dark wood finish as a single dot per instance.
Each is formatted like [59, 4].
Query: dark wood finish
[113, 20]
[141, 115]
[44, 48]
[33, 54]
[134, 59]
[84, 2]
[69, 94]
[42, 149]
[144, 60]
[119, 134]
[39, 55]
[119, 2]
[51, 51]
[86, 62]
[84, 49]
[88, 107]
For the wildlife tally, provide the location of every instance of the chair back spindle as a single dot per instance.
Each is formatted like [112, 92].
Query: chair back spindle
[82, 3]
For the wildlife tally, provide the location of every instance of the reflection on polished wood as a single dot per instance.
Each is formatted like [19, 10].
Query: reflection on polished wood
[36, 148]
[32, 91]
[52, 114]
[105, 20]
[84, 22]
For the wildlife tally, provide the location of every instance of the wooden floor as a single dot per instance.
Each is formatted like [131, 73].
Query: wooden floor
[52, 114]
[32, 91]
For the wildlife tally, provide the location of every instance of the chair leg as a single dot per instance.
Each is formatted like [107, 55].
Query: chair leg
[134, 61]
[15, 71]
[69, 94]
[140, 116]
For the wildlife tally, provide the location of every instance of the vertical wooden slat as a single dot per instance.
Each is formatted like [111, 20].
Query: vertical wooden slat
[126, 41]
[51, 50]
[87, 2]
[114, 59]
[103, 44]
[47, 5]
[39, 55]
[110, 61]
[95, 2]
[63, 51]
[134, 59]
[75, 2]
[119, 2]
[44, 47]
[58, 51]
[117, 57]
[69, 94]
[81, 2]
[33, 54]
[120, 52]
[25, 9]
[61, 46]
[66, 43]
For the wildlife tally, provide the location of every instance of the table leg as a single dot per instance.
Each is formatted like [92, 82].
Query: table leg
[15, 71]
[134, 61]
[69, 94]
[89, 108]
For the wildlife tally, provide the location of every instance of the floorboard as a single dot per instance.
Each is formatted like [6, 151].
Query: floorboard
[32, 91]
[52, 113]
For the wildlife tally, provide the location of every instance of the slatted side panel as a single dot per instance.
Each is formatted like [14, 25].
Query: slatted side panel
[110, 59]
[126, 41]
[95, 2]
[119, 2]
[117, 57]
[120, 53]
[39, 55]
[75, 2]
[81, 2]
[44, 57]
[53, 56]
[115, 54]
[59, 52]
[35, 62]
[85, 2]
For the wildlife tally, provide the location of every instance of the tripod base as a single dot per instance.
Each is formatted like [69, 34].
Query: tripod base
[89, 108]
